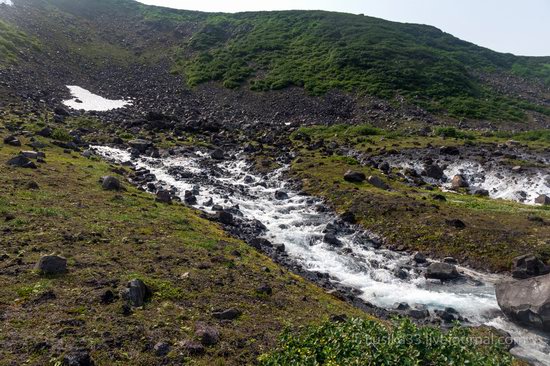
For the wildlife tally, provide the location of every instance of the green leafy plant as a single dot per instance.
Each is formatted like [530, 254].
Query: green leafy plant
[369, 342]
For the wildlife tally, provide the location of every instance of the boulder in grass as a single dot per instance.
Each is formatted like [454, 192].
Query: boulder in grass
[110, 183]
[21, 161]
[12, 140]
[377, 182]
[135, 293]
[51, 265]
[208, 335]
[354, 177]
[526, 301]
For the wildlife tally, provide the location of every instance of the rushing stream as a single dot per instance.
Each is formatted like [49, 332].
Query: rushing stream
[297, 223]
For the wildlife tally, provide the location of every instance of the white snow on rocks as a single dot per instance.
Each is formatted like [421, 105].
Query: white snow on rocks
[86, 100]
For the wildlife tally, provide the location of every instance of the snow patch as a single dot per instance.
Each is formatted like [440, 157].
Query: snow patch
[86, 100]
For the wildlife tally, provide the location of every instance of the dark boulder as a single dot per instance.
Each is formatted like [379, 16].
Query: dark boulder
[51, 264]
[208, 335]
[135, 293]
[526, 301]
[433, 171]
[78, 358]
[164, 196]
[330, 238]
[377, 182]
[140, 145]
[449, 150]
[528, 265]
[229, 314]
[218, 154]
[225, 217]
[161, 349]
[281, 195]
[21, 161]
[110, 183]
[354, 177]
[442, 271]
[61, 111]
[12, 140]
[456, 223]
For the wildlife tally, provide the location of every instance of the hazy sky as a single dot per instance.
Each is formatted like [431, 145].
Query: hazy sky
[521, 27]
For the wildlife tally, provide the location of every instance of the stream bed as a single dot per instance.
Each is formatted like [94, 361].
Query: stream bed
[380, 277]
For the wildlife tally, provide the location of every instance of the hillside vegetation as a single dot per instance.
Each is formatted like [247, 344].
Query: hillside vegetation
[321, 51]
[316, 50]
[13, 42]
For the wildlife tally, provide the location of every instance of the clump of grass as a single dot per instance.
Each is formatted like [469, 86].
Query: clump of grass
[368, 342]
[61, 135]
[451, 132]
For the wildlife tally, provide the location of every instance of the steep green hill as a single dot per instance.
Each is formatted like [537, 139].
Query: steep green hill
[321, 51]
[316, 50]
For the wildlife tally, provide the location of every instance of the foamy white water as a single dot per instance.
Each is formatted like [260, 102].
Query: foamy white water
[299, 226]
[501, 184]
[92, 102]
[7, 2]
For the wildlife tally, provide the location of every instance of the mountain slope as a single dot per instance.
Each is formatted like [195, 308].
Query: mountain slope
[263, 51]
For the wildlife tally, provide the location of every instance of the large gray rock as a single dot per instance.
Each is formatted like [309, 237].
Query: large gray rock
[51, 264]
[208, 335]
[527, 301]
[442, 271]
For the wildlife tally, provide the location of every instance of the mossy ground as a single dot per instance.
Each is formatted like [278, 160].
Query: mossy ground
[409, 217]
[111, 237]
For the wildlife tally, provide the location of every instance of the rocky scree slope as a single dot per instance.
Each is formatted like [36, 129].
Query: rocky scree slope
[368, 68]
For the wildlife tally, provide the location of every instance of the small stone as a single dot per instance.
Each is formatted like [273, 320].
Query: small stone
[229, 314]
[192, 348]
[164, 196]
[161, 349]
[459, 182]
[208, 335]
[264, 289]
[78, 358]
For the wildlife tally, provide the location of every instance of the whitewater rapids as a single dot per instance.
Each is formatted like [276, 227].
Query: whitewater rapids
[297, 224]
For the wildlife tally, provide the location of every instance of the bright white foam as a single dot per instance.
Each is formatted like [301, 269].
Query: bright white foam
[296, 224]
[501, 183]
[92, 102]
[7, 2]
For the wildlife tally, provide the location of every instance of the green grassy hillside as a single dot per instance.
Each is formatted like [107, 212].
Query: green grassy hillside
[13, 42]
[321, 51]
